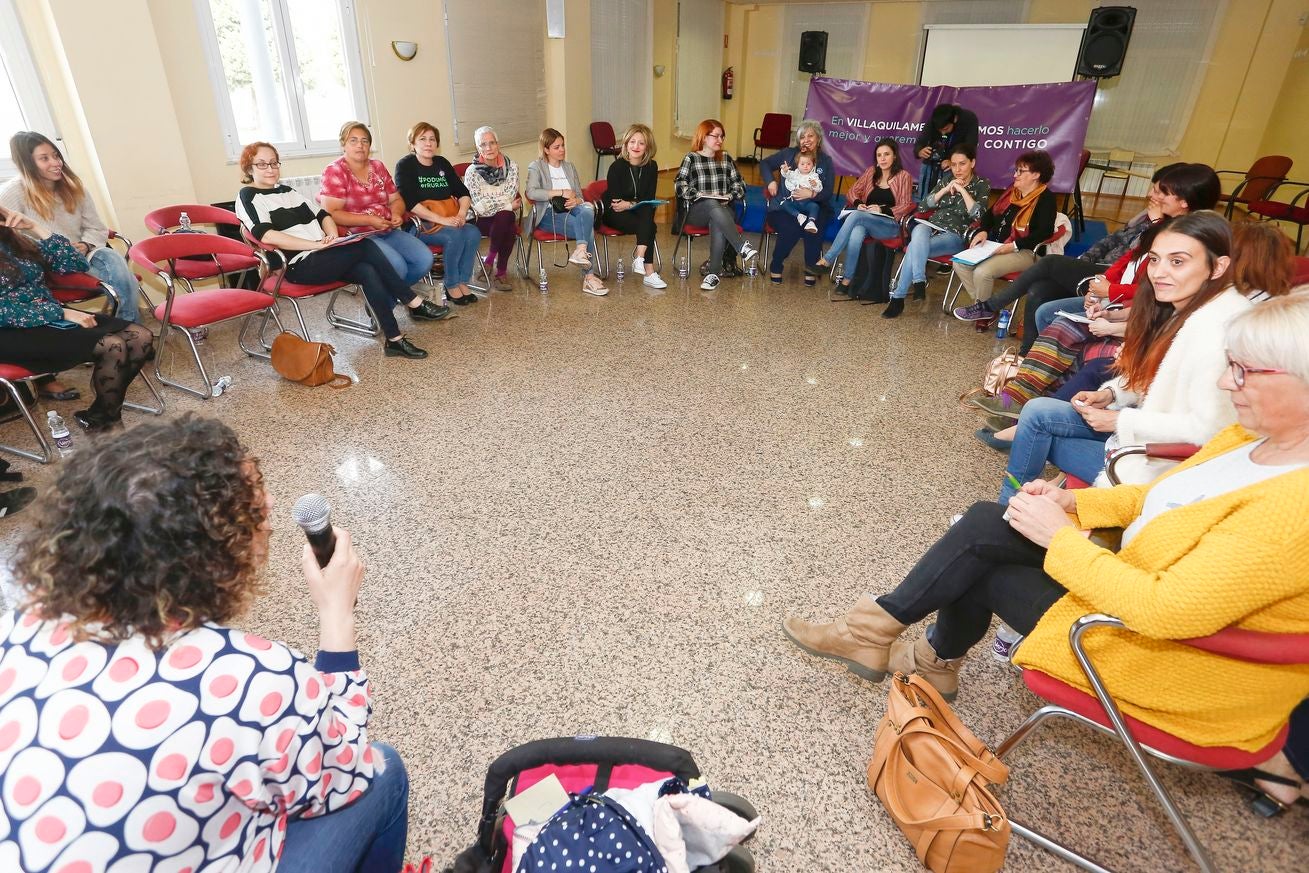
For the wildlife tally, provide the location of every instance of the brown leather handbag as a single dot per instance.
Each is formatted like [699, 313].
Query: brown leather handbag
[931, 773]
[447, 208]
[305, 362]
[1002, 368]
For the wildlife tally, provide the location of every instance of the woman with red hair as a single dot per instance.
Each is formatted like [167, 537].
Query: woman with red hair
[707, 184]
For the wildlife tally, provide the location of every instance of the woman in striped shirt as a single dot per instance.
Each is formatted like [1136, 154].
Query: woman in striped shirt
[280, 216]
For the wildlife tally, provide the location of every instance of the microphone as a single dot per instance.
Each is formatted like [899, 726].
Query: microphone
[314, 514]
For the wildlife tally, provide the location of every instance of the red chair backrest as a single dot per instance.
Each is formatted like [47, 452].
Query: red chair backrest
[1255, 646]
[594, 191]
[1082, 161]
[73, 287]
[155, 250]
[1171, 451]
[1300, 272]
[1264, 174]
[165, 218]
[602, 135]
[775, 132]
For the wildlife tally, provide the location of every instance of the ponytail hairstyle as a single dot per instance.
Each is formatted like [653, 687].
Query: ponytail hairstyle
[1153, 325]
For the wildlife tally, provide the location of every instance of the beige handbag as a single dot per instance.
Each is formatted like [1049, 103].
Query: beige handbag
[999, 371]
[305, 362]
[931, 773]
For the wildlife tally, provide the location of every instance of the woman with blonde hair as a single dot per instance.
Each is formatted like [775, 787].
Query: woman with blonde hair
[632, 179]
[437, 198]
[555, 190]
[707, 185]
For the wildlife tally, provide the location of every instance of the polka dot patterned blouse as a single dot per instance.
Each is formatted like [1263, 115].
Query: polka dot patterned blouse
[186, 758]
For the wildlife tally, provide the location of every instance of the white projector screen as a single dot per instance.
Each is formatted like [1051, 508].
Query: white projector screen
[999, 54]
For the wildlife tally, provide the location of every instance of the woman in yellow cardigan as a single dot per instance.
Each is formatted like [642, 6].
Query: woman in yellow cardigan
[1220, 540]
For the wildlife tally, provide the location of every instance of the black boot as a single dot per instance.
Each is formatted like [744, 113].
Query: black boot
[920, 290]
[894, 308]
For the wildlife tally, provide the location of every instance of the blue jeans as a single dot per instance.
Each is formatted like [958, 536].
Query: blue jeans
[368, 836]
[109, 267]
[459, 248]
[855, 228]
[1052, 431]
[411, 258]
[577, 223]
[807, 208]
[923, 244]
[1046, 313]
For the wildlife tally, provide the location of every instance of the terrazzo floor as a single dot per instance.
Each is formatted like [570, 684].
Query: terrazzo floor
[586, 515]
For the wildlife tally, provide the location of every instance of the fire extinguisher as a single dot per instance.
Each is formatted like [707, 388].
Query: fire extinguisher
[728, 78]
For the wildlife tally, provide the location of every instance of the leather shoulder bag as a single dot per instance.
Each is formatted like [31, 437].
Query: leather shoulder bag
[931, 773]
[305, 362]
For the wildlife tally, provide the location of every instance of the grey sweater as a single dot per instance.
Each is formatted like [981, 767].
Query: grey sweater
[539, 186]
[83, 225]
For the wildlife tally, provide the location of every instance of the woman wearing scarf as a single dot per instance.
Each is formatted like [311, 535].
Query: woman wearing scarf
[1021, 219]
[492, 182]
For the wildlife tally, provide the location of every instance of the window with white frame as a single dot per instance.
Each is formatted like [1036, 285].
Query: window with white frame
[284, 71]
[23, 104]
[845, 25]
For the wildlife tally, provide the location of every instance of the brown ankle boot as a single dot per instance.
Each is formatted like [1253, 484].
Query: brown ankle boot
[861, 639]
[919, 657]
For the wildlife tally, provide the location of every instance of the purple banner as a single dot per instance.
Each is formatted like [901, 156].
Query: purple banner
[1011, 119]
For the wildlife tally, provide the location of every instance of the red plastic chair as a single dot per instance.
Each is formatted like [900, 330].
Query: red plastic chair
[272, 280]
[1265, 174]
[1100, 712]
[10, 376]
[604, 142]
[774, 133]
[594, 193]
[165, 220]
[1164, 451]
[209, 306]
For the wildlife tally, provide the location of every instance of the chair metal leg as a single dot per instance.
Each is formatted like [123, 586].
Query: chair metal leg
[46, 455]
[351, 325]
[659, 260]
[1055, 848]
[158, 407]
[195, 355]
[951, 298]
[245, 328]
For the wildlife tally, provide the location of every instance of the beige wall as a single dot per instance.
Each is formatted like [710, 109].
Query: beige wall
[145, 132]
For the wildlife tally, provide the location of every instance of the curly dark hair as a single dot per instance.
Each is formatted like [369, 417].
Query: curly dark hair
[158, 530]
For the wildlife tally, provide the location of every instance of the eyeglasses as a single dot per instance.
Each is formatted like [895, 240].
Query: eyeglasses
[713, 136]
[267, 165]
[1018, 170]
[1239, 372]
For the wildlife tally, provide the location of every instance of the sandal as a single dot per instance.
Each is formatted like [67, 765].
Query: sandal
[1261, 802]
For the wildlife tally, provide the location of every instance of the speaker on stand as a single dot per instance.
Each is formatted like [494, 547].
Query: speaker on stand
[813, 51]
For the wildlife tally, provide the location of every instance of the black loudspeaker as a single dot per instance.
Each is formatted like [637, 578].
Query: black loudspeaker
[1104, 44]
[813, 51]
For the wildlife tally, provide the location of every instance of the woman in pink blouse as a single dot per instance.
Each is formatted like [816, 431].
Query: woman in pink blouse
[137, 726]
[361, 196]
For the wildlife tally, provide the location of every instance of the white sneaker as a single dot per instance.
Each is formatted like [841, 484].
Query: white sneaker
[582, 259]
[748, 252]
[638, 265]
[653, 280]
[710, 282]
[802, 218]
[594, 286]
[810, 226]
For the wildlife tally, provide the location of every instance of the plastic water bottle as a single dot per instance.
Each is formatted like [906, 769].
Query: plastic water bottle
[1005, 640]
[544, 283]
[184, 223]
[1002, 326]
[59, 433]
[752, 267]
[683, 268]
[619, 272]
[838, 274]
[222, 385]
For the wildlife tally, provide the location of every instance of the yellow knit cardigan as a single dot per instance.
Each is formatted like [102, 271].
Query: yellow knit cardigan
[1241, 558]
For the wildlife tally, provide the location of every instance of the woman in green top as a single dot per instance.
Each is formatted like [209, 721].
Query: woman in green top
[958, 202]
